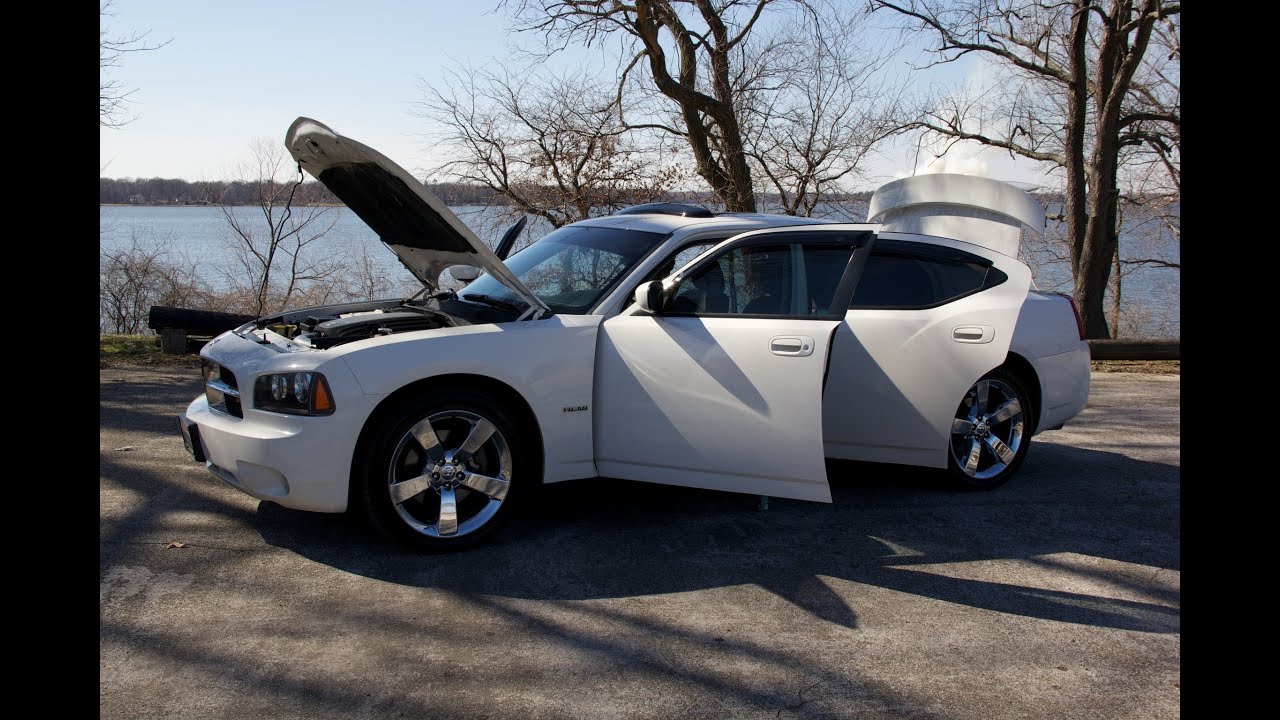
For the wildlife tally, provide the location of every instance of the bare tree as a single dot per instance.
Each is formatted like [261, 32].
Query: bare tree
[271, 236]
[1079, 91]
[113, 95]
[700, 78]
[146, 273]
[815, 103]
[554, 148]
[1142, 264]
[363, 279]
[765, 94]
[1149, 223]
[1149, 209]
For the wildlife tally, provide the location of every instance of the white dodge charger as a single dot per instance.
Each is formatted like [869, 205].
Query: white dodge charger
[664, 343]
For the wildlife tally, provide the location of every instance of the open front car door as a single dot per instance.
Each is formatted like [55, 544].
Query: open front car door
[719, 383]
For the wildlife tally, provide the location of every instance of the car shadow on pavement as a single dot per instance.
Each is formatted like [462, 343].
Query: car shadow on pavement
[1081, 517]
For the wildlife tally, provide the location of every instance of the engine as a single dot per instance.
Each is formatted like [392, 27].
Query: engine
[325, 327]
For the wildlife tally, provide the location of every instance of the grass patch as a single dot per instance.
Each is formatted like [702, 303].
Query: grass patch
[1156, 367]
[134, 350]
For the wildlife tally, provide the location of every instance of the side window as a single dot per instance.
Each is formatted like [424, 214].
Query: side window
[668, 266]
[751, 280]
[797, 279]
[901, 281]
[824, 266]
[688, 254]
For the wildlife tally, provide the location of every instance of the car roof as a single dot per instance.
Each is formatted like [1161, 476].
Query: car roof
[666, 223]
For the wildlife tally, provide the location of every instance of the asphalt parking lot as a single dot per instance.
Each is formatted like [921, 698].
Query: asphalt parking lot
[1057, 595]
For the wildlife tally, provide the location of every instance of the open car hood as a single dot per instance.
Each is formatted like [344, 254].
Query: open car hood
[416, 225]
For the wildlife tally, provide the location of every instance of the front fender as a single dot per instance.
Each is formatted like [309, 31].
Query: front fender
[549, 362]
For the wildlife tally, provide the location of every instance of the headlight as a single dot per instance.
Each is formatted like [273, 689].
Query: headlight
[295, 393]
[302, 387]
[279, 386]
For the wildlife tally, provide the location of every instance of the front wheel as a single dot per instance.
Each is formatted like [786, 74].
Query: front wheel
[443, 471]
[991, 432]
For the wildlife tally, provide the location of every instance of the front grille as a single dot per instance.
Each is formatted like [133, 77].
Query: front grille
[223, 393]
[233, 407]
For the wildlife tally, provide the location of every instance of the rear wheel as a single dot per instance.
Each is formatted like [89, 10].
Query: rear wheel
[991, 432]
[444, 470]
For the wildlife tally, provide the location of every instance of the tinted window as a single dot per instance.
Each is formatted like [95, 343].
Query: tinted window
[676, 260]
[669, 266]
[893, 280]
[797, 279]
[689, 253]
[824, 265]
[752, 280]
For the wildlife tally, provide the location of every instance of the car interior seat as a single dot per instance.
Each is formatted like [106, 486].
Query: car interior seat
[771, 298]
[708, 294]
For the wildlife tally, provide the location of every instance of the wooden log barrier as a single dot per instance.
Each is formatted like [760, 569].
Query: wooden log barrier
[1122, 349]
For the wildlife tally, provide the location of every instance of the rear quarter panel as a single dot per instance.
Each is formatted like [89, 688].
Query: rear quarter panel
[1047, 336]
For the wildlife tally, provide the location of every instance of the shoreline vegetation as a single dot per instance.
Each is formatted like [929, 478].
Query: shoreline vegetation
[163, 192]
[178, 192]
[205, 204]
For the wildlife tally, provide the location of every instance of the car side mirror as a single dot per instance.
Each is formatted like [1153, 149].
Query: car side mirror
[464, 273]
[649, 297]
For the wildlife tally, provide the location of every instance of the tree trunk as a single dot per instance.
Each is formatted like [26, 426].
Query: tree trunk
[1076, 206]
[737, 193]
[1115, 294]
[1096, 253]
[729, 175]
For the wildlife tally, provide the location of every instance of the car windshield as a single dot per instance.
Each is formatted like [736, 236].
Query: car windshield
[571, 268]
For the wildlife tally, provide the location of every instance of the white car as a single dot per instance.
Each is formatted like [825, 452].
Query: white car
[663, 343]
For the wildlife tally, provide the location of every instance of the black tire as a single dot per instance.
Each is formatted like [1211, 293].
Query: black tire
[1000, 429]
[395, 453]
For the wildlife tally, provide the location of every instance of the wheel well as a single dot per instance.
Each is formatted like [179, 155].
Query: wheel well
[1023, 369]
[497, 389]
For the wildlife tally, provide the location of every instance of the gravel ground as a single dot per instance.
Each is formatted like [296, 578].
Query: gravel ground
[1057, 595]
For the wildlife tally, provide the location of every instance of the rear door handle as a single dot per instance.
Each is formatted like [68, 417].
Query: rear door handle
[976, 334]
[791, 345]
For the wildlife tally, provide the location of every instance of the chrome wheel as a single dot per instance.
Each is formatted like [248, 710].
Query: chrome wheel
[988, 429]
[449, 474]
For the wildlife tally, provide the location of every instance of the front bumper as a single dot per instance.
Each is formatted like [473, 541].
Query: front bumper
[191, 438]
[298, 467]
[296, 461]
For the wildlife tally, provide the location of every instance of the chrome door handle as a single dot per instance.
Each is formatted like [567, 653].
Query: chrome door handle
[976, 334]
[791, 345]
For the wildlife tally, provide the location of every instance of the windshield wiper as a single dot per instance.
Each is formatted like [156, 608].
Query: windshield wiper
[491, 302]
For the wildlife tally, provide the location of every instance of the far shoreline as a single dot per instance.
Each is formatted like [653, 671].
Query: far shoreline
[208, 205]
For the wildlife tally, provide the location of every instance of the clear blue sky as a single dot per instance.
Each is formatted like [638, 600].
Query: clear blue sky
[234, 71]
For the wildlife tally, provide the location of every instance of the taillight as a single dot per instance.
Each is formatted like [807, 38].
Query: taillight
[1075, 311]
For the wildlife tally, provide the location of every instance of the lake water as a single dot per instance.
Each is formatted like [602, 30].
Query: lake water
[200, 235]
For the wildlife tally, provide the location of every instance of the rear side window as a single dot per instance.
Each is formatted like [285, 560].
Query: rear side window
[903, 281]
